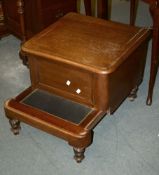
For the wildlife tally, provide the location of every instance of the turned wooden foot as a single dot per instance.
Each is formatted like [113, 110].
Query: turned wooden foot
[15, 126]
[133, 94]
[79, 154]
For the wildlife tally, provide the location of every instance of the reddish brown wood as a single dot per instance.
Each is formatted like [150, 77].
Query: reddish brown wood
[96, 60]
[103, 12]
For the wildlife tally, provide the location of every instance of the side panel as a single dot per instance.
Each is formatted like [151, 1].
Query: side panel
[126, 77]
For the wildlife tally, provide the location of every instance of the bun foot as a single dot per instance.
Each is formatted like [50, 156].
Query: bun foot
[133, 94]
[15, 126]
[79, 154]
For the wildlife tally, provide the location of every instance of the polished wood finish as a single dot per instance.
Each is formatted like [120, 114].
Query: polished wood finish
[58, 81]
[82, 59]
[154, 10]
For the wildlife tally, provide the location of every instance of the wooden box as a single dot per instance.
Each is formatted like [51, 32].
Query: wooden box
[81, 68]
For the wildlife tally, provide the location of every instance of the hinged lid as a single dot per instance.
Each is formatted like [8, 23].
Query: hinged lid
[93, 44]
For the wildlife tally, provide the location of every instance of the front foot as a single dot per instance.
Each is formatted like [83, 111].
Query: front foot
[79, 154]
[133, 94]
[15, 126]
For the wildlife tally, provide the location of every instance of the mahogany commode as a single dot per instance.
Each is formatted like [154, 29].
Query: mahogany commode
[81, 68]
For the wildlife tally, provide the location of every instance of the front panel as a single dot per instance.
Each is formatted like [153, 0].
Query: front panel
[63, 79]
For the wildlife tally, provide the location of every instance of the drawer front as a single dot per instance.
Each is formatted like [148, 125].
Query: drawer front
[72, 81]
